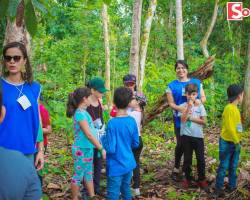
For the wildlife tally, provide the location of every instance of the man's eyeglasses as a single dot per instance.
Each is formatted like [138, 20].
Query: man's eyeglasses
[129, 84]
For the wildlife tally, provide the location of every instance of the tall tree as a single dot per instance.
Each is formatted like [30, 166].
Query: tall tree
[246, 102]
[204, 41]
[135, 39]
[105, 22]
[145, 40]
[15, 29]
[179, 30]
[21, 19]
[171, 9]
[205, 52]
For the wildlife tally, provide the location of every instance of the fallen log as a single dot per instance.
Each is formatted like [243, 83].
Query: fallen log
[203, 72]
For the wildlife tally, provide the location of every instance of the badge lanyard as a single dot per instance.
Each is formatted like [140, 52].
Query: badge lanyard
[20, 91]
[22, 99]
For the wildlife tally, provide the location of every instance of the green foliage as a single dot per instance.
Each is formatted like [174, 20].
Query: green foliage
[4, 4]
[148, 177]
[12, 7]
[39, 6]
[30, 17]
[8, 8]
[107, 1]
[187, 196]
[69, 38]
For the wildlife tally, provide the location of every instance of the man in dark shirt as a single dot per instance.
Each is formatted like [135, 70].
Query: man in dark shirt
[18, 177]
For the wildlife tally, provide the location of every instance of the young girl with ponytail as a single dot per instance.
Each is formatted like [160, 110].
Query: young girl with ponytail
[84, 141]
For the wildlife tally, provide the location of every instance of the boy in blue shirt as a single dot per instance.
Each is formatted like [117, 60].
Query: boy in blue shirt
[121, 137]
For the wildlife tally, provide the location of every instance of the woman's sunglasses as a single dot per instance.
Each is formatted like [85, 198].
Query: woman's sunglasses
[9, 58]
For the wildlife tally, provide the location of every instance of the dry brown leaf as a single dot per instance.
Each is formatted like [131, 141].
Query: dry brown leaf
[244, 175]
[57, 195]
[53, 186]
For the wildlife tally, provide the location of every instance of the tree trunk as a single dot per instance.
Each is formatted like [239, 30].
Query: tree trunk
[203, 72]
[135, 40]
[85, 61]
[203, 42]
[145, 40]
[246, 101]
[171, 8]
[205, 51]
[105, 21]
[16, 31]
[179, 30]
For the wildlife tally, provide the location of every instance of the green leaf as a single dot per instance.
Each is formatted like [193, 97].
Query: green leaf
[39, 6]
[12, 8]
[3, 7]
[107, 1]
[30, 18]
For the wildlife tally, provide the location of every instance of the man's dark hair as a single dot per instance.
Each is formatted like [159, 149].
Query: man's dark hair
[190, 88]
[122, 97]
[182, 62]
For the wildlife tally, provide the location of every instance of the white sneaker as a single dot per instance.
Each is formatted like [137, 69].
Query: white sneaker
[137, 191]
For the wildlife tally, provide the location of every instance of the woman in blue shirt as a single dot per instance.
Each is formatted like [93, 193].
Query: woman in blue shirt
[19, 129]
[176, 95]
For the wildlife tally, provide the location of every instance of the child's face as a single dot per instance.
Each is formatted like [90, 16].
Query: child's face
[133, 103]
[240, 97]
[181, 71]
[191, 96]
[130, 85]
[86, 101]
[96, 93]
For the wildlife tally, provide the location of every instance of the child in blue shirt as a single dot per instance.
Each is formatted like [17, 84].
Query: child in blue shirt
[84, 141]
[121, 137]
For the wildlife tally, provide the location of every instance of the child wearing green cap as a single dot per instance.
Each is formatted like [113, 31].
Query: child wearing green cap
[95, 110]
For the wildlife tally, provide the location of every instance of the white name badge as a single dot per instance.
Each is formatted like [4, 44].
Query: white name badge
[183, 92]
[239, 128]
[24, 102]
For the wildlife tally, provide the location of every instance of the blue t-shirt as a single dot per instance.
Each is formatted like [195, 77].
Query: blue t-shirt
[19, 129]
[80, 138]
[121, 137]
[177, 88]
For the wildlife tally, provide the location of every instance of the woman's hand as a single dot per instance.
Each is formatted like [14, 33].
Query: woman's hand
[39, 162]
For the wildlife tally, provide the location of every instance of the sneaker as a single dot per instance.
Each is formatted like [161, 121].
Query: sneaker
[137, 192]
[176, 176]
[203, 185]
[219, 193]
[101, 194]
[229, 189]
[185, 184]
